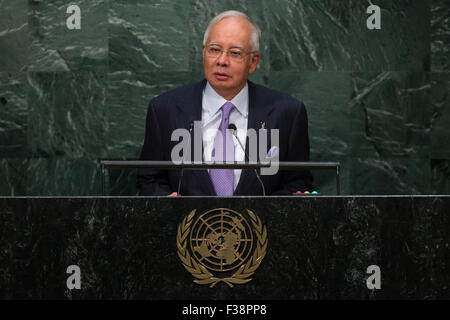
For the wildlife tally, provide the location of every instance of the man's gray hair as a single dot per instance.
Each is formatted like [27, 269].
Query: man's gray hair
[256, 32]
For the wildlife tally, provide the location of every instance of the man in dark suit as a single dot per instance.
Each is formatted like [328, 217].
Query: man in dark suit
[230, 54]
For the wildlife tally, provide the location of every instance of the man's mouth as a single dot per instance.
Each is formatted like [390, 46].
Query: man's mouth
[221, 76]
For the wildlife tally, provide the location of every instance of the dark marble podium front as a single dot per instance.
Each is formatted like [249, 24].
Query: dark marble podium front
[319, 247]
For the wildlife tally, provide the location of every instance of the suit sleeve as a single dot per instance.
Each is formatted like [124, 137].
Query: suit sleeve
[152, 182]
[298, 150]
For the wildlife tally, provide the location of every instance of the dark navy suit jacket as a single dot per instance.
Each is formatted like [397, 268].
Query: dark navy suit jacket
[178, 108]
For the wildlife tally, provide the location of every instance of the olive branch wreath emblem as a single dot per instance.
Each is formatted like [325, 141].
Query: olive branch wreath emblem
[202, 274]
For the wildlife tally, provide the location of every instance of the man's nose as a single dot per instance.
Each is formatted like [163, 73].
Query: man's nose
[223, 59]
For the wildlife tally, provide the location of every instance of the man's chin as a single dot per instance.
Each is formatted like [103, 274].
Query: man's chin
[222, 84]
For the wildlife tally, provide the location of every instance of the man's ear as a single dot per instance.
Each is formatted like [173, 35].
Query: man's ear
[254, 62]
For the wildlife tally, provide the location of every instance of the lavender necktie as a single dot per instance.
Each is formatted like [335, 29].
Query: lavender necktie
[223, 179]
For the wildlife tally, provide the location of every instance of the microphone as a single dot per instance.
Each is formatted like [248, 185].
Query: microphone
[191, 126]
[233, 130]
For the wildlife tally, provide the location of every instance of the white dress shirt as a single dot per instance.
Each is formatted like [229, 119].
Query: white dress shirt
[212, 116]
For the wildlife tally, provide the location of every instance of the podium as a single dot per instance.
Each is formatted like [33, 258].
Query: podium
[318, 247]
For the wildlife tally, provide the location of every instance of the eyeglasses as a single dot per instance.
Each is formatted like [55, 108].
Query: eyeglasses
[234, 54]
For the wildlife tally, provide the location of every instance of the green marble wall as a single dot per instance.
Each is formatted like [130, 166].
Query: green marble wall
[378, 100]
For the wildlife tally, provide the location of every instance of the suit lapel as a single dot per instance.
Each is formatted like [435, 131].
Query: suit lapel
[191, 110]
[259, 110]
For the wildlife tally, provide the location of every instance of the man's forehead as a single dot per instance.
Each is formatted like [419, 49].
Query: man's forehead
[231, 30]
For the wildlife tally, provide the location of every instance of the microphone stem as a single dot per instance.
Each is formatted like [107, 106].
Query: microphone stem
[260, 181]
[255, 170]
[179, 182]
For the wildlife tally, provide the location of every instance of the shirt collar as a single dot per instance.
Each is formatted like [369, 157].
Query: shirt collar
[216, 101]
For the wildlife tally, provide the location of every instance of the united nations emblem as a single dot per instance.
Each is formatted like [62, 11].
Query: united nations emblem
[221, 245]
